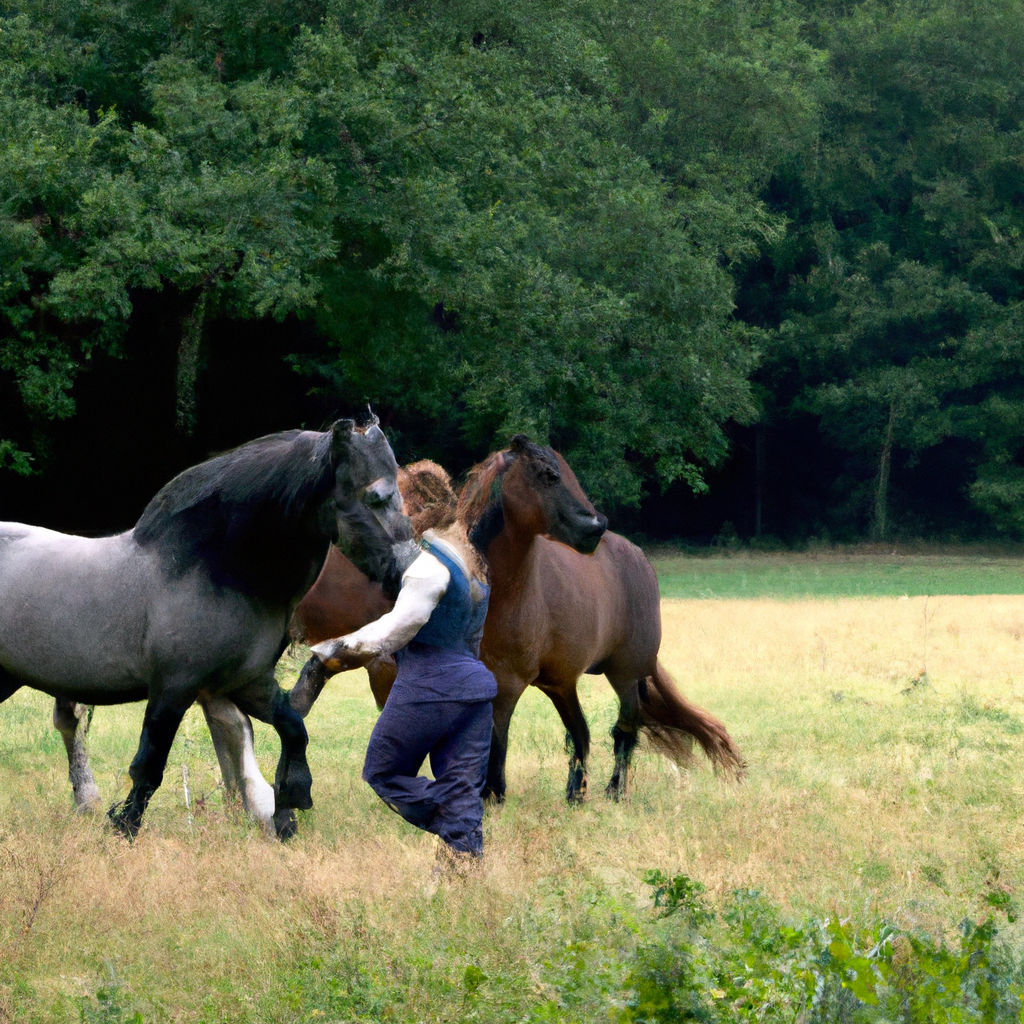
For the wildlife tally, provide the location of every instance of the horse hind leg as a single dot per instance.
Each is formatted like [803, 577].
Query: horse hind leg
[624, 739]
[72, 721]
[147, 768]
[231, 731]
[577, 737]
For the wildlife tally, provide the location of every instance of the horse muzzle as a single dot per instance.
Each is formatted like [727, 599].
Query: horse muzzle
[582, 533]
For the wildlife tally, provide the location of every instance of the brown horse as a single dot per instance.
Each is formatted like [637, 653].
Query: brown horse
[554, 615]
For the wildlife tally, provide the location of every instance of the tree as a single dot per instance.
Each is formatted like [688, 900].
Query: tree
[899, 278]
[479, 176]
[214, 196]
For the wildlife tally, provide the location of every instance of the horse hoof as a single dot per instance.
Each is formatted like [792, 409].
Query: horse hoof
[576, 789]
[122, 823]
[295, 790]
[286, 824]
[89, 801]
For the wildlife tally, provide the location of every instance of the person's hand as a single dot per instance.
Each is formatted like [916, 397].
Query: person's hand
[342, 655]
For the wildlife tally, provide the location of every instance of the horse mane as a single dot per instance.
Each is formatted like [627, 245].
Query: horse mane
[482, 488]
[223, 511]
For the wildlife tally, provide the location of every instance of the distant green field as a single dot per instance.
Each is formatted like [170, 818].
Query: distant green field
[795, 576]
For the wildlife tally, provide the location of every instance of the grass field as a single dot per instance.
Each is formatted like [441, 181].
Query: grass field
[862, 572]
[885, 740]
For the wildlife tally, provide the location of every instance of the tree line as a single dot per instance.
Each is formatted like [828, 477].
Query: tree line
[767, 251]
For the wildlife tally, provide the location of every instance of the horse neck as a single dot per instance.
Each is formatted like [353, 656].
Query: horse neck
[509, 555]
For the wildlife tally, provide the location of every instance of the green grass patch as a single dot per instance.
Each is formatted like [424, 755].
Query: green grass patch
[798, 576]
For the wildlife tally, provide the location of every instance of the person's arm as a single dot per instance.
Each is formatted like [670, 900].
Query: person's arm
[423, 585]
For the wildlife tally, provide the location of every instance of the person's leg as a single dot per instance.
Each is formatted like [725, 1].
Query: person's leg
[400, 741]
[459, 763]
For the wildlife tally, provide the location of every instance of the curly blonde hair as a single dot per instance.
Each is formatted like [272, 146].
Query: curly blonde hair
[431, 503]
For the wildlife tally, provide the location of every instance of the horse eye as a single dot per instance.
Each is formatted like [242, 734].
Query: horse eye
[377, 498]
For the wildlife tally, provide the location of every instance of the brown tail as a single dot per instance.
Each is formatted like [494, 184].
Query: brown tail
[673, 723]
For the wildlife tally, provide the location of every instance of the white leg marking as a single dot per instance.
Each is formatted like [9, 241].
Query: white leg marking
[232, 736]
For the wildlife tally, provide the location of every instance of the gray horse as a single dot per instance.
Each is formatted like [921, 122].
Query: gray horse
[194, 602]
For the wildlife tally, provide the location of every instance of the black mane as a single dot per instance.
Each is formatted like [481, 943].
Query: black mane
[487, 527]
[250, 515]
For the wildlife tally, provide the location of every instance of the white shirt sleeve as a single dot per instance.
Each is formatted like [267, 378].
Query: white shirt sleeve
[423, 585]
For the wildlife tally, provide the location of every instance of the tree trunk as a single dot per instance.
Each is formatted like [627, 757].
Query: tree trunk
[188, 365]
[882, 492]
[759, 471]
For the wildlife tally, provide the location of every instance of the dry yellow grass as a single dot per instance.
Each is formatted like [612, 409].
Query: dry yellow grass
[884, 739]
[871, 788]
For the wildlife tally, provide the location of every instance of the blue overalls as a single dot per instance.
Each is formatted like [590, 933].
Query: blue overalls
[440, 706]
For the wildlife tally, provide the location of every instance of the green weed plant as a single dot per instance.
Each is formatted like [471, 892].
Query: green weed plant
[748, 964]
[681, 960]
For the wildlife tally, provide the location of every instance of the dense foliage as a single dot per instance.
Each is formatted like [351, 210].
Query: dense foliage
[746, 963]
[896, 292]
[621, 229]
[751, 964]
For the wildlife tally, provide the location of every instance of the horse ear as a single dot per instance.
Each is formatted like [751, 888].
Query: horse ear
[374, 420]
[519, 443]
[341, 437]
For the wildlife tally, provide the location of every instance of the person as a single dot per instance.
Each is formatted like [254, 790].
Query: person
[440, 704]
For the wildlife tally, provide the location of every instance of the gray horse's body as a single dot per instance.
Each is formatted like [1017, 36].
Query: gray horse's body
[96, 619]
[194, 602]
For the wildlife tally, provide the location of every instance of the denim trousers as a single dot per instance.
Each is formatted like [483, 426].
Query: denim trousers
[456, 736]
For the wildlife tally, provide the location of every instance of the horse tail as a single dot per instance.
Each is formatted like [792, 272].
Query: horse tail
[672, 723]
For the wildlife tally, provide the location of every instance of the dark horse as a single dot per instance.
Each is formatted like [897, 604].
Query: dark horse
[194, 602]
[553, 616]
[343, 599]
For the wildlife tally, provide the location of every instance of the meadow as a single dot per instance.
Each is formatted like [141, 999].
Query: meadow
[884, 737]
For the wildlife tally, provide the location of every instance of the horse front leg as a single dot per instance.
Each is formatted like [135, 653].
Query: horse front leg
[510, 689]
[315, 673]
[577, 735]
[624, 738]
[8, 685]
[293, 781]
[231, 731]
[159, 728]
[312, 679]
[72, 721]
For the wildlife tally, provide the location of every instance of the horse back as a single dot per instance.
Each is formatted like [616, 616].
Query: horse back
[71, 608]
[101, 619]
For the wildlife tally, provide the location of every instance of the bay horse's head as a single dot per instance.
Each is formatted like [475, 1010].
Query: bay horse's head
[539, 494]
[373, 532]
